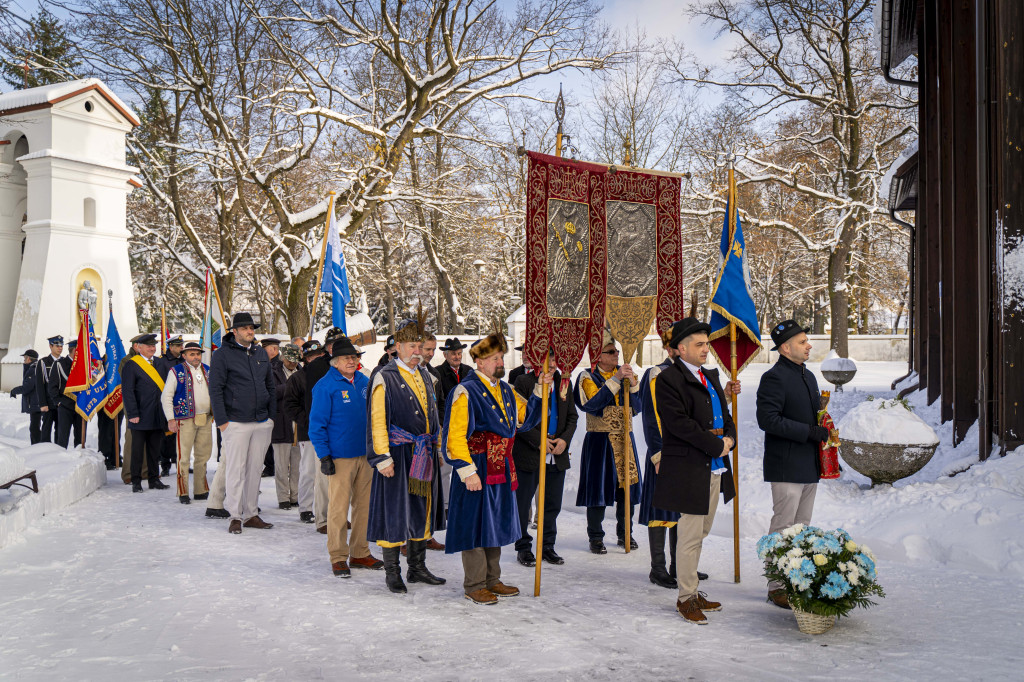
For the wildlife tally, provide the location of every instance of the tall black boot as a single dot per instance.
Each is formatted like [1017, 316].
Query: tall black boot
[659, 576]
[418, 572]
[393, 571]
[673, 535]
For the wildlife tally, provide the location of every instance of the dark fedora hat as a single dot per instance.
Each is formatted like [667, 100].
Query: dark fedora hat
[270, 341]
[243, 320]
[683, 328]
[30, 354]
[389, 343]
[786, 330]
[343, 346]
[452, 344]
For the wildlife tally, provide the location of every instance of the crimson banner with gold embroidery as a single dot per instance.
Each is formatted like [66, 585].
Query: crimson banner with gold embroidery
[601, 247]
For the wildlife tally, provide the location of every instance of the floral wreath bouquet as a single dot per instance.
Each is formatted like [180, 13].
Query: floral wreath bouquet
[824, 572]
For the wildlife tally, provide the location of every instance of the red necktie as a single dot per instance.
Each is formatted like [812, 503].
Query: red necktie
[702, 379]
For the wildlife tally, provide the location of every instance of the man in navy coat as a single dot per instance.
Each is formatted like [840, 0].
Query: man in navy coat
[787, 411]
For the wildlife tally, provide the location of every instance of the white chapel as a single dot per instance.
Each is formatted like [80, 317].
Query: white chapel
[64, 186]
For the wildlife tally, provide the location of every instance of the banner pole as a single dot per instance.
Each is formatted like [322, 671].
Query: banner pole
[220, 306]
[163, 331]
[627, 458]
[735, 404]
[320, 270]
[542, 473]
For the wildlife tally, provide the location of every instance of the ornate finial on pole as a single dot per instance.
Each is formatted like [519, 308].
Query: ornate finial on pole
[559, 116]
[627, 158]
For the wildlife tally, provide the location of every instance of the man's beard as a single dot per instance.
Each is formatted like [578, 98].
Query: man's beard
[499, 373]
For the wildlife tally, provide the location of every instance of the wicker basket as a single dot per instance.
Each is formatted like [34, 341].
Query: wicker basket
[812, 623]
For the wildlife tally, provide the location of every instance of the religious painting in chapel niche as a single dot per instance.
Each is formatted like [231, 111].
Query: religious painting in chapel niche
[568, 259]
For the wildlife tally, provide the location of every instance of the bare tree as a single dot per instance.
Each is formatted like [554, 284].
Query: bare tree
[813, 64]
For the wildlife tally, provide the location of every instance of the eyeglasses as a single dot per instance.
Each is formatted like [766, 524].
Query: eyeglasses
[611, 352]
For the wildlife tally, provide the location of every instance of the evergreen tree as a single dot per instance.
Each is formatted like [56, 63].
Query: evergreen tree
[47, 50]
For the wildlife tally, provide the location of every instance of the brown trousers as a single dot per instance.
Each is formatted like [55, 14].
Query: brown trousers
[349, 487]
[481, 568]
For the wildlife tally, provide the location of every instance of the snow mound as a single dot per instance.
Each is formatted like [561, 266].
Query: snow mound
[834, 363]
[11, 465]
[885, 421]
[65, 477]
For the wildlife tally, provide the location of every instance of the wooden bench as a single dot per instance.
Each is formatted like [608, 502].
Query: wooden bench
[26, 481]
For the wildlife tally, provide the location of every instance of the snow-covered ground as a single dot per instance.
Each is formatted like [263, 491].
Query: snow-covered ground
[123, 586]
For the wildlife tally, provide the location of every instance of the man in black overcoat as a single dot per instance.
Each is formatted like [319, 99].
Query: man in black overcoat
[787, 411]
[43, 368]
[27, 391]
[697, 434]
[452, 370]
[142, 383]
[526, 456]
[67, 417]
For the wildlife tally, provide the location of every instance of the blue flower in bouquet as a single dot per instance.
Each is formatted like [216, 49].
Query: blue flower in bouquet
[802, 575]
[868, 566]
[768, 544]
[835, 587]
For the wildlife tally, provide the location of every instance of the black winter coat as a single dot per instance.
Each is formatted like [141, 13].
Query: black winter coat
[315, 371]
[241, 384]
[526, 447]
[787, 411]
[688, 446]
[141, 396]
[283, 431]
[449, 380]
[43, 368]
[58, 381]
[27, 390]
[295, 403]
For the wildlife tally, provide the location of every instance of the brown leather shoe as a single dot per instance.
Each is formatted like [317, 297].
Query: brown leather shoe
[435, 545]
[367, 561]
[779, 598]
[705, 605]
[257, 522]
[691, 611]
[483, 596]
[235, 527]
[322, 530]
[502, 590]
[340, 569]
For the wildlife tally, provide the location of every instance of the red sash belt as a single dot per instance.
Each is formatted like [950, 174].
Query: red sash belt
[498, 451]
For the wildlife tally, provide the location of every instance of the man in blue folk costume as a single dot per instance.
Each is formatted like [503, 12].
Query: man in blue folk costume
[482, 417]
[406, 504]
[598, 393]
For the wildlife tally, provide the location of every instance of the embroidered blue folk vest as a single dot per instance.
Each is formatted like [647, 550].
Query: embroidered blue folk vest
[184, 401]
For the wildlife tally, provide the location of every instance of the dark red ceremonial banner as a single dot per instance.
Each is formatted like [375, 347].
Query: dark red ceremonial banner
[565, 259]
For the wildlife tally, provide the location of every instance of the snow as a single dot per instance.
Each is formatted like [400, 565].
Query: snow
[150, 589]
[1013, 272]
[12, 465]
[834, 363]
[885, 421]
[43, 94]
[884, 185]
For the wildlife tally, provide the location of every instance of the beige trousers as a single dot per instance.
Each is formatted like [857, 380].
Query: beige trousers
[312, 484]
[691, 530]
[194, 441]
[792, 503]
[243, 448]
[348, 488]
[286, 472]
[481, 568]
[217, 491]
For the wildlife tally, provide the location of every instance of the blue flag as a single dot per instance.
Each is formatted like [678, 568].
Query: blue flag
[732, 302]
[90, 400]
[115, 353]
[335, 279]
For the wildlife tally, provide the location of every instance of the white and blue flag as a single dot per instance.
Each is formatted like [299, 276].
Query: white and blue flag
[335, 279]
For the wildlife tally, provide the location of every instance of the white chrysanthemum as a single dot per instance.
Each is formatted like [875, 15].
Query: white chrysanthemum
[792, 531]
[864, 550]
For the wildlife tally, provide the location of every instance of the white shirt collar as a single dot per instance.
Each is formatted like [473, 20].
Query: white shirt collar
[404, 366]
[484, 378]
[694, 369]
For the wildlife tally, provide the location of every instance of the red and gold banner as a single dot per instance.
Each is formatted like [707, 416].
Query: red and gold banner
[601, 246]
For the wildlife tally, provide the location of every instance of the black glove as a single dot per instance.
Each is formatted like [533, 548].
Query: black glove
[327, 466]
[819, 434]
